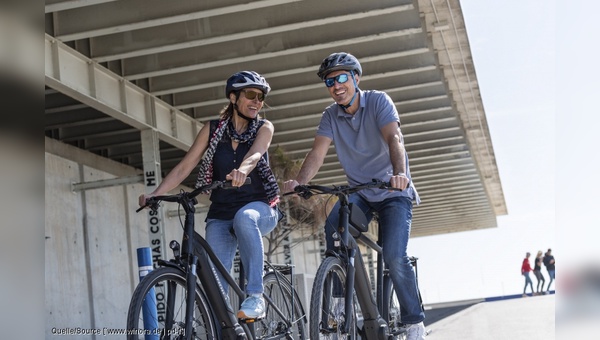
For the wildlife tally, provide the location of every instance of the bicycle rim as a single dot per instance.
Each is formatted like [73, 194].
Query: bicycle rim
[158, 308]
[274, 326]
[327, 316]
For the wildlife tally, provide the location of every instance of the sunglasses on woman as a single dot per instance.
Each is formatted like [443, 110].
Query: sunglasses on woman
[250, 95]
[340, 78]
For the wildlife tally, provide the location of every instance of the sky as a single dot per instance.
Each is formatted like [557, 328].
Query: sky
[513, 44]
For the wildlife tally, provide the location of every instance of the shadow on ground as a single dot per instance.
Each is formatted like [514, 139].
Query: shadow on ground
[437, 314]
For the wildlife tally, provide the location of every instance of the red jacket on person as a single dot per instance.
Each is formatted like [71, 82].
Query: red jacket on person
[526, 267]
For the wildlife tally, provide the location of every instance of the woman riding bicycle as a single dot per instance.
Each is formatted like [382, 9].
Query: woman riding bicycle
[234, 148]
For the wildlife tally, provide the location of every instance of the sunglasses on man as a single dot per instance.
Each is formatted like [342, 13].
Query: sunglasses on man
[250, 95]
[340, 78]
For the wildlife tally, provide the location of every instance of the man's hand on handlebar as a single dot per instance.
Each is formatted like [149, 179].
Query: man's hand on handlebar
[288, 186]
[399, 181]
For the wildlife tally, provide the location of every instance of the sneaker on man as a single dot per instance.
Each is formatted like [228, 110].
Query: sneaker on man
[415, 331]
[252, 308]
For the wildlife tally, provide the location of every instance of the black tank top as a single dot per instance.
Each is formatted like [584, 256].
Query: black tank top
[226, 202]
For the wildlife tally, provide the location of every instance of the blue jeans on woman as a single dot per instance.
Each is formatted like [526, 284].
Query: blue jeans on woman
[395, 218]
[246, 230]
[527, 282]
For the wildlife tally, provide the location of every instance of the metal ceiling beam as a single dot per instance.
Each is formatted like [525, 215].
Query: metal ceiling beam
[71, 4]
[79, 77]
[137, 22]
[249, 34]
[285, 73]
[313, 86]
[282, 53]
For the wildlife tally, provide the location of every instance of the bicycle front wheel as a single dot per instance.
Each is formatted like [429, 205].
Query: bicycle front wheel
[284, 313]
[158, 305]
[327, 315]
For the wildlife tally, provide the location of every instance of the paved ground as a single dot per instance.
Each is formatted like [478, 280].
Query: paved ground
[530, 318]
[437, 314]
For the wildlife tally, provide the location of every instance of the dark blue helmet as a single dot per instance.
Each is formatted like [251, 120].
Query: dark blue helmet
[244, 79]
[339, 61]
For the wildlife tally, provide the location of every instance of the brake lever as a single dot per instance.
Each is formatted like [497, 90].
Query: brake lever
[153, 206]
[303, 191]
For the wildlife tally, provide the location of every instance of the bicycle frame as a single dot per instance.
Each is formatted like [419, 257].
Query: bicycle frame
[352, 224]
[357, 276]
[199, 266]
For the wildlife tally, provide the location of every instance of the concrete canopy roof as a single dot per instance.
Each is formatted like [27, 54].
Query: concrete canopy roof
[178, 54]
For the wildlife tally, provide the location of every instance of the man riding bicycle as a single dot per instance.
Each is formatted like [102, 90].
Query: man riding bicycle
[365, 128]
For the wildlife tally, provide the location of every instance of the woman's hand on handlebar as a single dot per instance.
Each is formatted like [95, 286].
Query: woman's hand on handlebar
[236, 177]
[142, 199]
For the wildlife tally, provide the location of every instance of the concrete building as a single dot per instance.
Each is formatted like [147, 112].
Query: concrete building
[129, 84]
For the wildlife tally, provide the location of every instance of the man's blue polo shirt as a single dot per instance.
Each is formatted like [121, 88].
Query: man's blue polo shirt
[361, 149]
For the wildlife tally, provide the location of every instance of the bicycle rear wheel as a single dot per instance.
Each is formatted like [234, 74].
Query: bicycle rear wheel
[279, 290]
[158, 308]
[327, 316]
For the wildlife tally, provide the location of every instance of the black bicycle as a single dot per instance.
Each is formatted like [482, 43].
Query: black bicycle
[342, 301]
[183, 299]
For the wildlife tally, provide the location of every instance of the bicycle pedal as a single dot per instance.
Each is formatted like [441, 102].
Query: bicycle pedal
[243, 318]
[249, 320]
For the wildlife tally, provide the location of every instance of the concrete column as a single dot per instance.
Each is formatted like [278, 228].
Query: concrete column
[152, 176]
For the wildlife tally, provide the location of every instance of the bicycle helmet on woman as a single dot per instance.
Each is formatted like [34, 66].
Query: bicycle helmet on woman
[339, 61]
[244, 79]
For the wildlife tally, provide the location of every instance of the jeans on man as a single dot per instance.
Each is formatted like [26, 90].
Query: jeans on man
[551, 275]
[395, 218]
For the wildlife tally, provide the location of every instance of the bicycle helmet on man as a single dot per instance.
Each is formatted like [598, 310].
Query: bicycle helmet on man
[244, 79]
[339, 61]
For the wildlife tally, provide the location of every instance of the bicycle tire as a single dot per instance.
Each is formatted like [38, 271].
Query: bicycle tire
[326, 314]
[170, 305]
[279, 290]
[391, 310]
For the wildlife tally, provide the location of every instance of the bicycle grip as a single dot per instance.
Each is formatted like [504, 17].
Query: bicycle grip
[227, 184]
[150, 202]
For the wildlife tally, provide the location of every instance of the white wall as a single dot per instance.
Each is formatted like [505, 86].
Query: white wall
[92, 237]
[91, 241]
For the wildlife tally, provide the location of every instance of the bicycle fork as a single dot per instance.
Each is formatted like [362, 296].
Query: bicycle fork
[191, 296]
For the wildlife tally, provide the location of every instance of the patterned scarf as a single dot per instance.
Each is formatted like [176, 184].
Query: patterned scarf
[206, 165]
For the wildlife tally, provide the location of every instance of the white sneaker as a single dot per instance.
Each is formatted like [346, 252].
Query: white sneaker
[415, 331]
[252, 308]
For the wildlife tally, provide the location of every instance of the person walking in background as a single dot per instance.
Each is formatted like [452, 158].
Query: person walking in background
[365, 129]
[549, 263]
[234, 148]
[525, 269]
[537, 271]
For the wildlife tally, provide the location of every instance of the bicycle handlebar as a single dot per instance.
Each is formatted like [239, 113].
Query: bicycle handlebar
[306, 191]
[154, 201]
